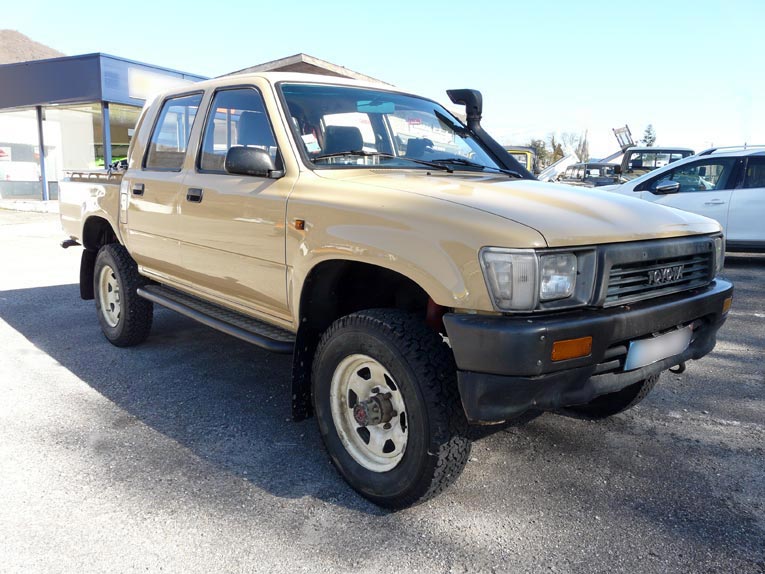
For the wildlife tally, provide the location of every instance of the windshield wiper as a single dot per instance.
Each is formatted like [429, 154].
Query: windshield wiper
[467, 162]
[364, 153]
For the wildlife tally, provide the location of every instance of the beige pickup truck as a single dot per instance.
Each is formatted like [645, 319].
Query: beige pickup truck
[422, 279]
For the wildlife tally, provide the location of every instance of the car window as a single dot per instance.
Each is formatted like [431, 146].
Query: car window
[170, 138]
[389, 129]
[238, 117]
[705, 175]
[755, 173]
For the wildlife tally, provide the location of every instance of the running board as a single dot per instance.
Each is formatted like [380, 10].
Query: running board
[230, 322]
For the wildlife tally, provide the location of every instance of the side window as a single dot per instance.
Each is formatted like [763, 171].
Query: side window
[706, 175]
[755, 173]
[237, 117]
[167, 147]
[676, 156]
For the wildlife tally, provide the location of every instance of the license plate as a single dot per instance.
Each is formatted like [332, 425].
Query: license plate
[647, 351]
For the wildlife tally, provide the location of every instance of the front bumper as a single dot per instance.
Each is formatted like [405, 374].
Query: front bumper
[505, 366]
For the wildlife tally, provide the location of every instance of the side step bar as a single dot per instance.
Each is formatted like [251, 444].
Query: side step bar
[230, 322]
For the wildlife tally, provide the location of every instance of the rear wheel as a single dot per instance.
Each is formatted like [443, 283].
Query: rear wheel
[385, 397]
[125, 317]
[605, 406]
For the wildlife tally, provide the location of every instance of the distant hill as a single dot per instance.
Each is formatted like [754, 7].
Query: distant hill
[16, 47]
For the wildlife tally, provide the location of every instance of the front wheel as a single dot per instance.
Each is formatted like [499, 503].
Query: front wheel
[386, 400]
[125, 317]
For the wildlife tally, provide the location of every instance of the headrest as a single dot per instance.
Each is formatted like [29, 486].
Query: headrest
[342, 138]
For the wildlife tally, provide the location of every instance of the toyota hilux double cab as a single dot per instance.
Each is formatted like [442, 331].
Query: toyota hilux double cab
[422, 280]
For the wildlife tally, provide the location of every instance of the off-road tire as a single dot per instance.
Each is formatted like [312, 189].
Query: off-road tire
[136, 314]
[423, 367]
[611, 404]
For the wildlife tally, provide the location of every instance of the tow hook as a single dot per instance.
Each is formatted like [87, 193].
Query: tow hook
[377, 410]
[678, 369]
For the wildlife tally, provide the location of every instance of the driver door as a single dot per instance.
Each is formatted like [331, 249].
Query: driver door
[231, 226]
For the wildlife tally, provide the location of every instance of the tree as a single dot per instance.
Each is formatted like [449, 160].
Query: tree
[649, 136]
[583, 148]
[556, 150]
[543, 155]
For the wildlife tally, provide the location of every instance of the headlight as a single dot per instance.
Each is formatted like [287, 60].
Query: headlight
[719, 254]
[511, 276]
[518, 279]
[558, 276]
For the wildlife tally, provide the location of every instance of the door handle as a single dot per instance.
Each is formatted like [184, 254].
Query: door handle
[715, 202]
[138, 189]
[194, 195]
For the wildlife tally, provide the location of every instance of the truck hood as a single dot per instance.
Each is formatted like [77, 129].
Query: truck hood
[564, 215]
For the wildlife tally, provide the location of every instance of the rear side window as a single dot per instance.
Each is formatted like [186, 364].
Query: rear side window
[755, 173]
[237, 118]
[170, 138]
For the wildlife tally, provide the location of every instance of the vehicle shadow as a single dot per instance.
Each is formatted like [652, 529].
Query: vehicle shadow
[228, 404]
[225, 400]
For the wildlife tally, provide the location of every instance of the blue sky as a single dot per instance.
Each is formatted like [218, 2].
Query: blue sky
[693, 69]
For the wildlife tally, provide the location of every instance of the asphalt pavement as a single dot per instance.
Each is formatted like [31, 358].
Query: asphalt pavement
[179, 456]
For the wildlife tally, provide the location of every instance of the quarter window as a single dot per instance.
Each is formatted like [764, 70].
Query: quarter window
[237, 118]
[170, 139]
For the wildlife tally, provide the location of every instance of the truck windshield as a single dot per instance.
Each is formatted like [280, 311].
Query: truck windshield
[350, 127]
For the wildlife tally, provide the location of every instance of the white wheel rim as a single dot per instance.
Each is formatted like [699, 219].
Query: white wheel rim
[109, 296]
[378, 447]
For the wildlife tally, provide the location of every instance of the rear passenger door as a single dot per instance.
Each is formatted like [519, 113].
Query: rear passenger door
[746, 218]
[232, 226]
[705, 188]
[153, 188]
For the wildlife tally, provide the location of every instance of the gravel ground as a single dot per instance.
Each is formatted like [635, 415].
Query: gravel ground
[178, 456]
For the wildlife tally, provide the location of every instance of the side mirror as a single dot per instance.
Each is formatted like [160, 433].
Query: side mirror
[253, 161]
[617, 170]
[666, 186]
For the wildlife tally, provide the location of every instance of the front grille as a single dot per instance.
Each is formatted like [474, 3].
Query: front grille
[635, 281]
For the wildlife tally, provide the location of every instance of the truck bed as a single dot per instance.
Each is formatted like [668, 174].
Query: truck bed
[84, 193]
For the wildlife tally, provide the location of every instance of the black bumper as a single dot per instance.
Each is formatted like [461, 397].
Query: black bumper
[505, 365]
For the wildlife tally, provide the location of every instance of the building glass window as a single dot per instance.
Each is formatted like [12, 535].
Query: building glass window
[122, 121]
[19, 155]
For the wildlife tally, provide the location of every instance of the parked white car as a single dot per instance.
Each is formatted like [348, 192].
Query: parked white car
[726, 184]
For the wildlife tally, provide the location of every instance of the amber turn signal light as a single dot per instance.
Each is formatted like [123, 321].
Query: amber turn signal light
[571, 348]
[726, 304]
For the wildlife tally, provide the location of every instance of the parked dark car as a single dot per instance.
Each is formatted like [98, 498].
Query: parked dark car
[591, 174]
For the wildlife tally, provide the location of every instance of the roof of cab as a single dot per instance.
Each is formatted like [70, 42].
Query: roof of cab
[275, 77]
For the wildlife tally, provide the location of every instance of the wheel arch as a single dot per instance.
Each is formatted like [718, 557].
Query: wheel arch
[335, 288]
[96, 232]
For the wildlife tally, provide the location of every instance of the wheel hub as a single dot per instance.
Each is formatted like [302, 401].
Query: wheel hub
[369, 413]
[377, 410]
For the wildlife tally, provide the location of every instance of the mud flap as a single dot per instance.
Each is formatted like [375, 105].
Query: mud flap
[87, 269]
